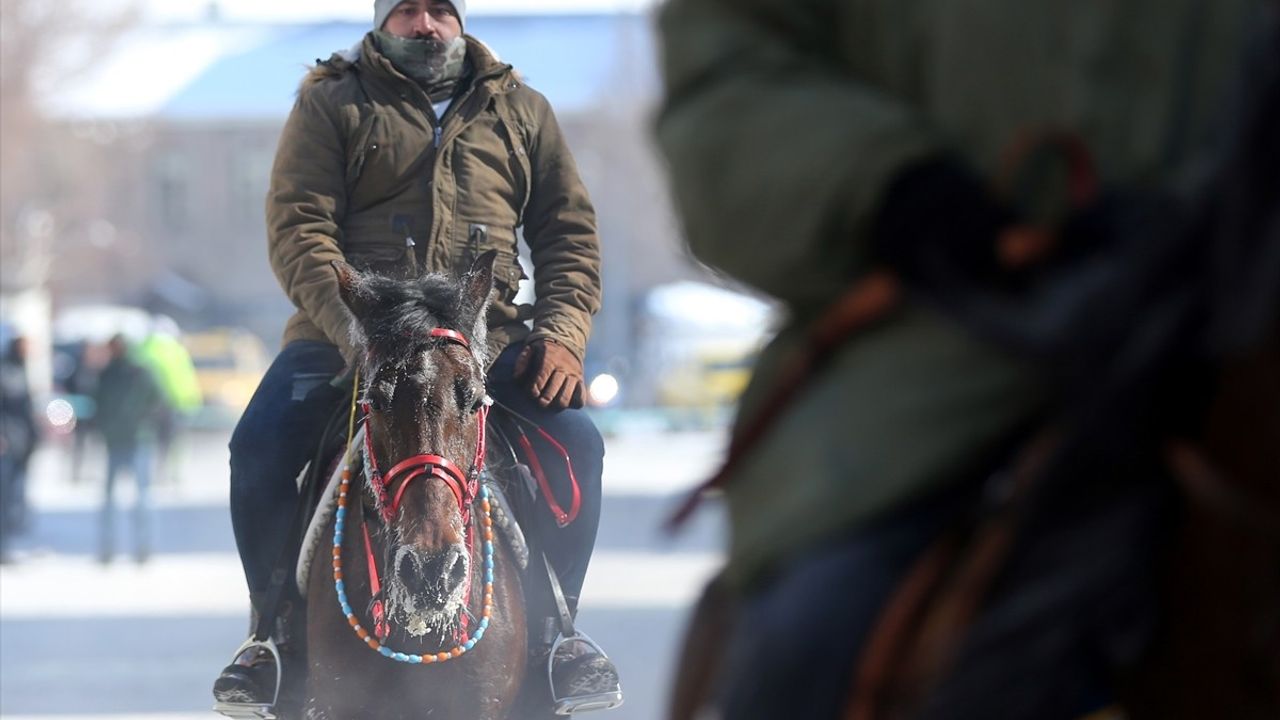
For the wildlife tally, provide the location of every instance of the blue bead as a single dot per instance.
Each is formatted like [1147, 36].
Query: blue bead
[488, 576]
[401, 657]
[415, 659]
[342, 586]
[346, 609]
[484, 623]
[479, 633]
[384, 651]
[469, 644]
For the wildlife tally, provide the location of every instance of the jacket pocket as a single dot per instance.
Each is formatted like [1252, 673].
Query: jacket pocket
[391, 259]
[478, 238]
[358, 151]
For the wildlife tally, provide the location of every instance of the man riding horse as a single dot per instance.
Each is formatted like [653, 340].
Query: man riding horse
[417, 151]
[911, 179]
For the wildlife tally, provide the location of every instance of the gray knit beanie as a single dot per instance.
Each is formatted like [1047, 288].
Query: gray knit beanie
[383, 8]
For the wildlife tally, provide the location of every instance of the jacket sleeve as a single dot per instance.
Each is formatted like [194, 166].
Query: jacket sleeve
[560, 229]
[305, 207]
[778, 155]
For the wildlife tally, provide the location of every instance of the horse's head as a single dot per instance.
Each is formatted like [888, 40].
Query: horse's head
[424, 390]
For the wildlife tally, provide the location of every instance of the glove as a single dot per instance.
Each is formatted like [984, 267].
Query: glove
[939, 221]
[552, 375]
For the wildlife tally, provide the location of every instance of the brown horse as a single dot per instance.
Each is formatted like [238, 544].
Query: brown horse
[420, 613]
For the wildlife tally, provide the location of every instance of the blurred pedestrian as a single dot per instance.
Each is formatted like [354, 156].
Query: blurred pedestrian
[163, 353]
[19, 435]
[127, 399]
[80, 384]
[831, 154]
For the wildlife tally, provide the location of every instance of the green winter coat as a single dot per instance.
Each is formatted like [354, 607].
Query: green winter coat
[784, 123]
[365, 172]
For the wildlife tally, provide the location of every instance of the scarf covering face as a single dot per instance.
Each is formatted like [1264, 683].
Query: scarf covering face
[434, 64]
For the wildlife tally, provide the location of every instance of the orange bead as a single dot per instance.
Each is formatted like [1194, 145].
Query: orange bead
[485, 506]
[456, 651]
[488, 535]
[337, 573]
[372, 642]
[362, 634]
[442, 656]
[352, 621]
[487, 612]
[428, 658]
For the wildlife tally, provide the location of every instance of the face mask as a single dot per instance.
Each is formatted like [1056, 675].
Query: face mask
[430, 61]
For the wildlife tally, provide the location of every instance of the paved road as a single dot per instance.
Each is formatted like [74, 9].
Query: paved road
[82, 641]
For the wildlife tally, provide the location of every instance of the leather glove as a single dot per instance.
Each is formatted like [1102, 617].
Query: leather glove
[552, 375]
[939, 221]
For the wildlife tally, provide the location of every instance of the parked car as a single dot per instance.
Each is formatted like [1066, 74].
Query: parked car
[229, 365]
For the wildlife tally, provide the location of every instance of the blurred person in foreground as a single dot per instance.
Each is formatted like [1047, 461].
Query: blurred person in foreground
[934, 190]
[163, 353]
[417, 151]
[128, 401]
[19, 435]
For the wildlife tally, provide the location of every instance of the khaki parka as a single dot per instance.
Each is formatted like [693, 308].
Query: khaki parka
[365, 172]
[784, 123]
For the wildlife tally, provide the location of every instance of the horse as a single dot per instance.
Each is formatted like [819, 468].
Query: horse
[418, 611]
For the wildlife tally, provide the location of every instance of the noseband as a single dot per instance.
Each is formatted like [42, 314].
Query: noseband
[426, 465]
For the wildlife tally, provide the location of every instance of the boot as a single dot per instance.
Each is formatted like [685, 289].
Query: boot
[250, 687]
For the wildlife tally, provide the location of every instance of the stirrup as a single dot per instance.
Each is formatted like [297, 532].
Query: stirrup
[254, 710]
[581, 703]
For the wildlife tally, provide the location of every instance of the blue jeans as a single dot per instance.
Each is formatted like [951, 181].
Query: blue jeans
[274, 439]
[136, 459]
[280, 428]
[568, 548]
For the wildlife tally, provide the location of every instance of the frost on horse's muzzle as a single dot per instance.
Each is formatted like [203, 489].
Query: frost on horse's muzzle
[427, 589]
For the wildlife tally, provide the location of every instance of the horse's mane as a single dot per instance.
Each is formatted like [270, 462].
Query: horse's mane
[398, 314]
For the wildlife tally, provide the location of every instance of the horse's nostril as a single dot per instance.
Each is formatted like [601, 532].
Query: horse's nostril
[459, 571]
[410, 576]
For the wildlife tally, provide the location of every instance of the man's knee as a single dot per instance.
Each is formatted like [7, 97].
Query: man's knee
[582, 438]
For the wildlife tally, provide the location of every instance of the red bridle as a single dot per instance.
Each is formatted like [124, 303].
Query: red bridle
[464, 486]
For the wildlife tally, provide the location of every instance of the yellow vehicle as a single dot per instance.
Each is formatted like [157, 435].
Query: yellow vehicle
[709, 378]
[229, 364]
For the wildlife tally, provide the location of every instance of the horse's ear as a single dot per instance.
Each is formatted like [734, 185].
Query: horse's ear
[478, 282]
[351, 287]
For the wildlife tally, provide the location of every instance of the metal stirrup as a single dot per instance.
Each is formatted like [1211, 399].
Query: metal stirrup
[568, 633]
[254, 710]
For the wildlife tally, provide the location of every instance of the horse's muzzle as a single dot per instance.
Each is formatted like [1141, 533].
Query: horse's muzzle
[435, 578]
